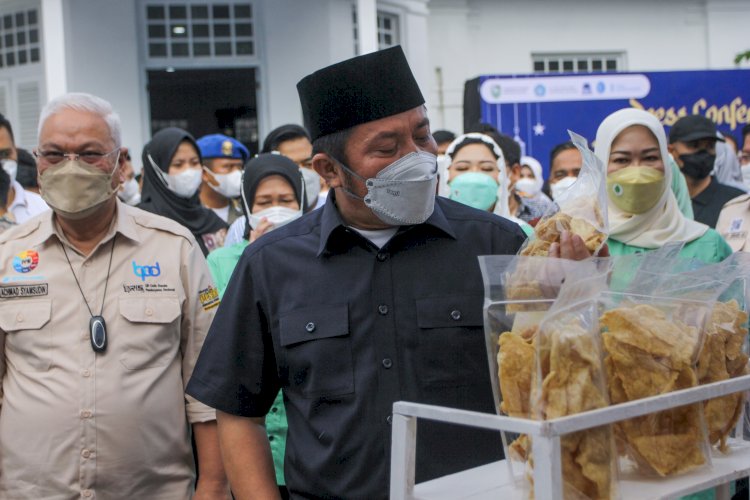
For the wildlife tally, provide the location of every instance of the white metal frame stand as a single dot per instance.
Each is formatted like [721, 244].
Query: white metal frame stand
[546, 435]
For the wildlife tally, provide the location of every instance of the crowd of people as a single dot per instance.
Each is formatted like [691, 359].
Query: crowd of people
[274, 304]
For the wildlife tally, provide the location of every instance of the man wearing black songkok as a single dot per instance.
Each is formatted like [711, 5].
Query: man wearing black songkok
[375, 298]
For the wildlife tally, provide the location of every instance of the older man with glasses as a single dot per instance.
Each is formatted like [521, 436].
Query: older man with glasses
[101, 324]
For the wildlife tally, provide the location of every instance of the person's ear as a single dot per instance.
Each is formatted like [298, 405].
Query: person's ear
[326, 169]
[120, 164]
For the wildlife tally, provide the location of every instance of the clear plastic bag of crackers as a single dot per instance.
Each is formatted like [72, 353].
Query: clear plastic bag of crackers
[581, 209]
[653, 335]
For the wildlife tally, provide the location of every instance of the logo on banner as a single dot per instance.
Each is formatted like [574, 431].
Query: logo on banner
[26, 261]
[144, 272]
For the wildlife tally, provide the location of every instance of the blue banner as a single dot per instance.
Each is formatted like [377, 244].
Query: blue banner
[537, 110]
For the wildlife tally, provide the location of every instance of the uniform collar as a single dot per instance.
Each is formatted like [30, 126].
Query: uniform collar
[123, 224]
[331, 222]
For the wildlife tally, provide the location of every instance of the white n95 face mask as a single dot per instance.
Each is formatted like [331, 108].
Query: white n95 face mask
[129, 193]
[527, 186]
[560, 186]
[229, 184]
[312, 185]
[185, 184]
[403, 193]
[11, 168]
[278, 216]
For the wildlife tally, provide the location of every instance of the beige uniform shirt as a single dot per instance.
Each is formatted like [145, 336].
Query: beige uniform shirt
[113, 425]
[734, 223]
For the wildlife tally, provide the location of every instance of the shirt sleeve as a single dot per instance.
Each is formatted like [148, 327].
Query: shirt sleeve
[201, 301]
[236, 371]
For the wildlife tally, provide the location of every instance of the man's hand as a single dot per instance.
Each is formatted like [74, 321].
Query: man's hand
[572, 247]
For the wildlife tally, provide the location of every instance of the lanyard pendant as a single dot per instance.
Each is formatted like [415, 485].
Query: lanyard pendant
[98, 334]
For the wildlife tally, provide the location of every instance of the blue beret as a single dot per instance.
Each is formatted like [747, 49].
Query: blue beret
[222, 146]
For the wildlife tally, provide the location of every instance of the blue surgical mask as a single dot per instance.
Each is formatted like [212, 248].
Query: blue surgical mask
[474, 189]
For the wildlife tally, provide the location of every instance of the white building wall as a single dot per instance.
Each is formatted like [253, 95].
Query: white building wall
[102, 55]
[469, 38]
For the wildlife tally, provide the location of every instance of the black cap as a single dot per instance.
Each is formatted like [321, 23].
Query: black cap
[358, 90]
[691, 128]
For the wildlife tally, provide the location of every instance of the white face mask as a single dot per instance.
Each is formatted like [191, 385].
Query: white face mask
[402, 193]
[278, 216]
[229, 184]
[129, 193]
[312, 185]
[185, 184]
[11, 167]
[528, 187]
[560, 186]
[746, 174]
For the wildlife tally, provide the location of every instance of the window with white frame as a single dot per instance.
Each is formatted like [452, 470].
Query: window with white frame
[388, 29]
[388, 35]
[19, 38]
[578, 62]
[200, 29]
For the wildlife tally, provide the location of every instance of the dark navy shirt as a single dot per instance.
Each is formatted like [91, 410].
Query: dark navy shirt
[708, 203]
[346, 329]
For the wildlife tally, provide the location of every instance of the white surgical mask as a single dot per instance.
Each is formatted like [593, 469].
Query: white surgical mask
[746, 174]
[402, 193]
[312, 185]
[278, 216]
[185, 184]
[229, 184]
[557, 188]
[11, 167]
[130, 193]
[527, 186]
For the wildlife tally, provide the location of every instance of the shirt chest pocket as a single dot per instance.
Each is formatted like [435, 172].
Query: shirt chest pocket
[151, 336]
[451, 343]
[318, 351]
[28, 344]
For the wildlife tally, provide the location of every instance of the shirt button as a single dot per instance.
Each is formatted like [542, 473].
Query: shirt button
[86, 373]
[382, 256]
[270, 438]
[87, 493]
[86, 413]
[149, 311]
[86, 453]
[456, 314]
[387, 363]
[383, 309]
[389, 419]
[274, 409]
[310, 327]
[19, 318]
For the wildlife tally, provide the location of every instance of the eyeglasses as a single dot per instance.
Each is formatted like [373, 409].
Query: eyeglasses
[90, 157]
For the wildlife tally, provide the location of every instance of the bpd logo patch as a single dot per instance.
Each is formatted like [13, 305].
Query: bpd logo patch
[26, 261]
[144, 272]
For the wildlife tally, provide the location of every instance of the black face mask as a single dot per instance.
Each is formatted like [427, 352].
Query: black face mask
[698, 165]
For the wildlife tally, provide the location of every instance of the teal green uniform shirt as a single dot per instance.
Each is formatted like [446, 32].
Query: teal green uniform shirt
[221, 263]
[709, 248]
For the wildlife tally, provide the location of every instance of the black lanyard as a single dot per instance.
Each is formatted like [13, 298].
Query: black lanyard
[97, 326]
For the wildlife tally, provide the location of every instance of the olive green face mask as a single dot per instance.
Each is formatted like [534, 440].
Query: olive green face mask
[76, 189]
[635, 189]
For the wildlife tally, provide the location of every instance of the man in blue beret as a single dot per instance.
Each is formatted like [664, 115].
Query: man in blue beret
[222, 174]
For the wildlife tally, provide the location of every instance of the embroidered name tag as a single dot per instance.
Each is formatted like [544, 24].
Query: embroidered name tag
[8, 292]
